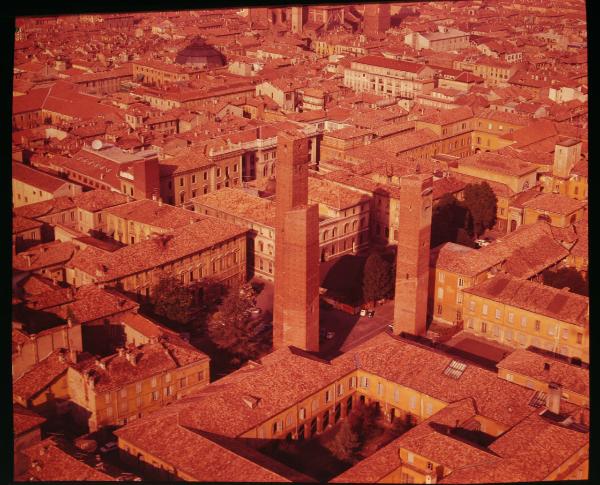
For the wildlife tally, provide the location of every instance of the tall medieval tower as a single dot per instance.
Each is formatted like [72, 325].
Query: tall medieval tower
[376, 19]
[296, 302]
[412, 259]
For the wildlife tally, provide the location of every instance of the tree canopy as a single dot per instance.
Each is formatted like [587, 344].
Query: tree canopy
[232, 329]
[172, 300]
[482, 204]
[378, 281]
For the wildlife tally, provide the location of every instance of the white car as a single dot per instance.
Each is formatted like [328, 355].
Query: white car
[482, 242]
[330, 335]
[363, 312]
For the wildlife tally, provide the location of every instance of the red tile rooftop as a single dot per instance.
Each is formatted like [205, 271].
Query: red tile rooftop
[555, 203]
[154, 213]
[547, 369]
[44, 255]
[22, 224]
[40, 376]
[534, 297]
[24, 420]
[495, 162]
[48, 462]
[240, 204]
[154, 252]
[384, 62]
[446, 117]
[35, 178]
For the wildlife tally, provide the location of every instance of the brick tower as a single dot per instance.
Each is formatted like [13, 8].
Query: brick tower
[376, 19]
[296, 302]
[412, 260]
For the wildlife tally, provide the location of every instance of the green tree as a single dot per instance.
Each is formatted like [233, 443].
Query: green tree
[482, 204]
[346, 442]
[378, 281]
[172, 300]
[567, 277]
[232, 329]
[447, 218]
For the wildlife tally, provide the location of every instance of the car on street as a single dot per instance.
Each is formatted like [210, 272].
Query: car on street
[370, 313]
[330, 335]
[108, 447]
[390, 327]
[483, 242]
[363, 312]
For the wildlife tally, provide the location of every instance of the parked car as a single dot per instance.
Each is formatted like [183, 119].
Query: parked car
[108, 447]
[330, 335]
[370, 313]
[363, 312]
[482, 242]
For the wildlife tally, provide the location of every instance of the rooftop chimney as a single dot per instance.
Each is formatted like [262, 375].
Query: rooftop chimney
[553, 398]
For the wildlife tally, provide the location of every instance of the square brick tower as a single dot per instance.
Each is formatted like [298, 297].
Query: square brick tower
[376, 19]
[412, 260]
[296, 302]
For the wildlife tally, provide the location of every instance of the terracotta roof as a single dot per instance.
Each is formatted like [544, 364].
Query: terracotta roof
[98, 199]
[391, 64]
[555, 203]
[188, 444]
[43, 255]
[45, 207]
[35, 284]
[144, 325]
[49, 463]
[169, 352]
[35, 178]
[447, 185]
[535, 297]
[153, 213]
[570, 377]
[40, 376]
[448, 116]
[24, 419]
[241, 204]
[150, 253]
[322, 191]
[498, 163]
[22, 224]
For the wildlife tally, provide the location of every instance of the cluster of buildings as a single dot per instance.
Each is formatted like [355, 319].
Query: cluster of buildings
[225, 145]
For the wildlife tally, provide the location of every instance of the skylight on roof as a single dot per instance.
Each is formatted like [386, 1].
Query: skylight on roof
[455, 369]
[538, 400]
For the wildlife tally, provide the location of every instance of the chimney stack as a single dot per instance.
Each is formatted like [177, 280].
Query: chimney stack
[554, 397]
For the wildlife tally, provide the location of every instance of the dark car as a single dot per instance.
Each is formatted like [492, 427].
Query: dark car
[370, 313]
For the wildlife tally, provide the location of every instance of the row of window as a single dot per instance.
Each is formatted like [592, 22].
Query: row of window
[355, 226]
[522, 338]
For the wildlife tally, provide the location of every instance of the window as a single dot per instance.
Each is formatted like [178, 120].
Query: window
[168, 391]
[314, 405]
[218, 172]
[484, 309]
[353, 382]
[470, 323]
[410, 458]
[302, 413]
[461, 282]
[327, 395]
[483, 327]
[155, 395]
[441, 277]
[439, 309]
[364, 382]
[538, 325]
[181, 182]
[205, 175]
[498, 314]
[428, 409]
[380, 389]
[459, 297]
[288, 420]
[201, 375]
[472, 306]
[429, 465]
[511, 317]
[340, 389]
[496, 331]
[193, 179]
[523, 321]
[565, 333]
[412, 402]
[579, 338]
[455, 369]
[182, 382]
[138, 387]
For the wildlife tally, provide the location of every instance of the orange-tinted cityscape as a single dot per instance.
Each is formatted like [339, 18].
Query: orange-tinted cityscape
[304, 243]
